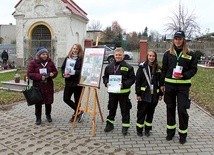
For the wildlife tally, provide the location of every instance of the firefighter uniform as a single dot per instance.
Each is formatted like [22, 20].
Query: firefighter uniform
[177, 90]
[146, 107]
[128, 79]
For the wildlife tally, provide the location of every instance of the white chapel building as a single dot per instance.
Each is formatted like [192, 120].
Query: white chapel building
[54, 24]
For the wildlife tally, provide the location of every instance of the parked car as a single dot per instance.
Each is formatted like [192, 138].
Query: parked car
[109, 54]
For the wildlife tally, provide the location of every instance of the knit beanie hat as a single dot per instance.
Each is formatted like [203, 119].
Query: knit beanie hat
[41, 50]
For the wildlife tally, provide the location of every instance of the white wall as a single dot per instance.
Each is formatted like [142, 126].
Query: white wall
[8, 33]
[66, 27]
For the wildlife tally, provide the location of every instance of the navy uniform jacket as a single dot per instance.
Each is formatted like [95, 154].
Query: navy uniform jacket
[124, 69]
[142, 87]
[189, 63]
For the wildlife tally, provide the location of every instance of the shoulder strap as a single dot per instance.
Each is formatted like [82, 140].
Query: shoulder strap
[147, 77]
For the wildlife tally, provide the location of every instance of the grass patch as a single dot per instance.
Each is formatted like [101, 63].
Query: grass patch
[10, 97]
[202, 89]
[10, 75]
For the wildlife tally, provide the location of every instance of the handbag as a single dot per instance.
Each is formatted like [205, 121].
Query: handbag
[32, 95]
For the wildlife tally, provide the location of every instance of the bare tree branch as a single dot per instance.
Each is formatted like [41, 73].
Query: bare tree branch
[94, 25]
[181, 19]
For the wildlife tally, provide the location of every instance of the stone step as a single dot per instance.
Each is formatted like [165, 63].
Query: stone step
[7, 70]
[11, 85]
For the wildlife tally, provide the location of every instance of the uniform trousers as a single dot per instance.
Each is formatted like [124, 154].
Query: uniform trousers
[177, 94]
[145, 112]
[125, 106]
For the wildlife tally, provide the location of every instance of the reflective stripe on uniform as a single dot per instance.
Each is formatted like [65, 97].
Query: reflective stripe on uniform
[142, 88]
[177, 81]
[139, 125]
[124, 69]
[182, 131]
[126, 125]
[187, 57]
[123, 91]
[112, 122]
[148, 124]
[171, 126]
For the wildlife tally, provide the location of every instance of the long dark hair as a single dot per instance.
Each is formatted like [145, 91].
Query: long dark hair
[155, 63]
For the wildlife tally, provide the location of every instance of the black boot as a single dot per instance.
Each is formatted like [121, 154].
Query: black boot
[72, 118]
[125, 131]
[109, 127]
[182, 140]
[38, 120]
[169, 137]
[139, 131]
[147, 133]
[183, 137]
[49, 118]
[38, 113]
[170, 134]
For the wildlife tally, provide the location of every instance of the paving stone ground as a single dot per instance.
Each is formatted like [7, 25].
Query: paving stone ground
[20, 136]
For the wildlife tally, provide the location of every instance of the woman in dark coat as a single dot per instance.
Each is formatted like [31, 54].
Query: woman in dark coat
[42, 70]
[71, 69]
[5, 58]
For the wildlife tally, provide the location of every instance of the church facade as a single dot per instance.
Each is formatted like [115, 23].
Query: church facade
[55, 24]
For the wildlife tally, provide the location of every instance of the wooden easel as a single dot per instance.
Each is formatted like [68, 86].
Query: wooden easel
[85, 108]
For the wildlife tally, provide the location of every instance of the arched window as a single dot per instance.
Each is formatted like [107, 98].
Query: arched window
[41, 36]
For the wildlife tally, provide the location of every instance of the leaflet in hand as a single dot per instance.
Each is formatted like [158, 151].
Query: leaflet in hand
[114, 84]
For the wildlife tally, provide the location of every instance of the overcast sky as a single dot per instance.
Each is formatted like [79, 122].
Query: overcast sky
[132, 15]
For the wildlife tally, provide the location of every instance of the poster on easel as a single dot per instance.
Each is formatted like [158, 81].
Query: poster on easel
[92, 67]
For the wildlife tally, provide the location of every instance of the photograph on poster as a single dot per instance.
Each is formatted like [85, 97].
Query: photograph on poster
[92, 67]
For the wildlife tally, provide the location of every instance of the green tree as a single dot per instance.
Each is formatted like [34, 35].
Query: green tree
[113, 34]
[145, 33]
[116, 28]
[107, 34]
[140, 35]
[118, 40]
[134, 41]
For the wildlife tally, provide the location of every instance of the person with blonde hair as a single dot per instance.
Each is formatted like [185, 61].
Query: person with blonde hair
[71, 69]
[148, 92]
[179, 65]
